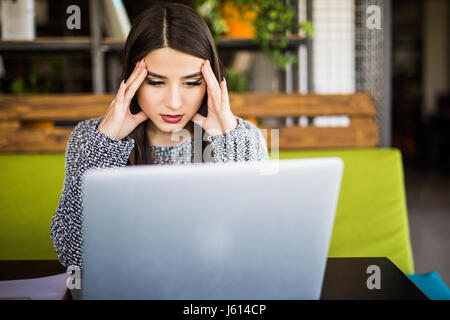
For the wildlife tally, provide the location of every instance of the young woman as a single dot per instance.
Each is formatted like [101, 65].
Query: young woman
[171, 90]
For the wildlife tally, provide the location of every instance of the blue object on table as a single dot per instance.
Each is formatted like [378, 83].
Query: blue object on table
[431, 284]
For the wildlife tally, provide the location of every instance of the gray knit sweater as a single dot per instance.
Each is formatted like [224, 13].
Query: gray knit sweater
[89, 148]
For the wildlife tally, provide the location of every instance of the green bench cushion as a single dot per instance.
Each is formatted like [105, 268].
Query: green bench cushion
[30, 187]
[371, 219]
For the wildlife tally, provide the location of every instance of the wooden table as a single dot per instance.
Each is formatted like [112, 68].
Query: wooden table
[345, 278]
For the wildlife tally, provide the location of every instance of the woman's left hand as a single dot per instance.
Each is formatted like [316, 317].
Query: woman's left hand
[220, 119]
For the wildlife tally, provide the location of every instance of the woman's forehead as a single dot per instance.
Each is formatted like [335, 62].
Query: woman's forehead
[167, 63]
[172, 60]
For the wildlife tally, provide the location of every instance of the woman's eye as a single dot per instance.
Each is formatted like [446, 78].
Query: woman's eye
[189, 84]
[154, 83]
[197, 83]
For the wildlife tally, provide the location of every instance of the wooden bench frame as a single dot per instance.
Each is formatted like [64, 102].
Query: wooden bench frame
[26, 121]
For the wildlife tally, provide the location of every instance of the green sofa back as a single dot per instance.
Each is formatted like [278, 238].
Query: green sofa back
[371, 218]
[30, 187]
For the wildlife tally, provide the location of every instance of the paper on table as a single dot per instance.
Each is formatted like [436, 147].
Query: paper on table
[45, 288]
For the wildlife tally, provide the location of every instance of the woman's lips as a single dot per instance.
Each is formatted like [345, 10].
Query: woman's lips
[171, 119]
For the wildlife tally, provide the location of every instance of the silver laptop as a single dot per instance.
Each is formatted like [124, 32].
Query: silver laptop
[242, 230]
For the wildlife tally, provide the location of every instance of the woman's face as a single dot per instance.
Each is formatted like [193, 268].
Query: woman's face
[174, 86]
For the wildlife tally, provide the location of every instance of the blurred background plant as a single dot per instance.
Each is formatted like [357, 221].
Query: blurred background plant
[270, 19]
[42, 77]
[210, 12]
[236, 81]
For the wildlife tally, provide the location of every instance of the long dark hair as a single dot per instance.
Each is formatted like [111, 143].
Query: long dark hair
[163, 25]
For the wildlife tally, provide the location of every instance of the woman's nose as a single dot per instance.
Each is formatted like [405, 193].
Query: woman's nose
[174, 98]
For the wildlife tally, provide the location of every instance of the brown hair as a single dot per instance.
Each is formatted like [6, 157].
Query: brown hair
[163, 25]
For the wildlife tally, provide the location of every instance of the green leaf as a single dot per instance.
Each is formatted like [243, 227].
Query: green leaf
[18, 86]
[308, 28]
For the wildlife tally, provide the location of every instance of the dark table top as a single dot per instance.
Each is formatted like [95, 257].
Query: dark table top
[345, 278]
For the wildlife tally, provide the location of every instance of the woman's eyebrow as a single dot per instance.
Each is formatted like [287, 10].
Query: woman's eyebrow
[163, 77]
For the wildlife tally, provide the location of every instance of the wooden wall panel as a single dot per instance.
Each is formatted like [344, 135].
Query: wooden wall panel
[85, 106]
[34, 140]
[292, 138]
[26, 121]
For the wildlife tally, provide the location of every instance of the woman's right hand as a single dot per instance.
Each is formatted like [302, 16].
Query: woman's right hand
[118, 121]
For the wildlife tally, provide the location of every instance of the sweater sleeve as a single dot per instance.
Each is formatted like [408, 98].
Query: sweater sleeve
[87, 148]
[243, 143]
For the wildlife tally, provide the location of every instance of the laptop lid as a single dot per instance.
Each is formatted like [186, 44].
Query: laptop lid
[209, 231]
